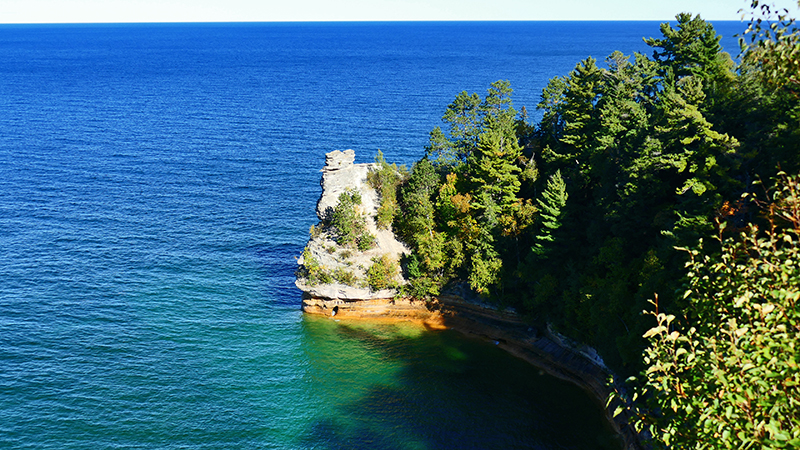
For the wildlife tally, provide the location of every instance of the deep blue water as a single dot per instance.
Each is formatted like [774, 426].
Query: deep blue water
[156, 184]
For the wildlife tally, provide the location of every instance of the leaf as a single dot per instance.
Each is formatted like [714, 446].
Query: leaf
[653, 331]
[741, 332]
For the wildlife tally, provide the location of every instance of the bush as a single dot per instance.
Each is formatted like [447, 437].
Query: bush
[312, 271]
[729, 377]
[366, 241]
[420, 284]
[381, 274]
[349, 223]
[345, 276]
[315, 231]
[385, 180]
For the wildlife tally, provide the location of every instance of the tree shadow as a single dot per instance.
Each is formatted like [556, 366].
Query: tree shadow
[449, 391]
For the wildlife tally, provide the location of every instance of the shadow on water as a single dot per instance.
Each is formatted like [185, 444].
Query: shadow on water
[277, 264]
[400, 387]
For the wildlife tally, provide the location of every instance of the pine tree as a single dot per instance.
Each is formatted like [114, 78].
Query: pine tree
[551, 207]
[692, 49]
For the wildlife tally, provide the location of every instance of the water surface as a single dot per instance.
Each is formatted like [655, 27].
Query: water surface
[157, 183]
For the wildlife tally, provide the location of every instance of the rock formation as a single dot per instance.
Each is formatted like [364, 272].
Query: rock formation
[341, 175]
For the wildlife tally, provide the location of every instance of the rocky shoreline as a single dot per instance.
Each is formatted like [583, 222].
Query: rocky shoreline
[460, 311]
[390, 309]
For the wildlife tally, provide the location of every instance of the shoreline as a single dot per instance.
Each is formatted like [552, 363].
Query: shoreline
[375, 310]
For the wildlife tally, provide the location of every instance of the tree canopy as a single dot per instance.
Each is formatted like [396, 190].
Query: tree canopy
[581, 220]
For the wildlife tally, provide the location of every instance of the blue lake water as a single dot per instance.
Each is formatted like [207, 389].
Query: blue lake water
[157, 183]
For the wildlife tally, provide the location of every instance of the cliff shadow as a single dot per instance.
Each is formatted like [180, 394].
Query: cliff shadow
[392, 388]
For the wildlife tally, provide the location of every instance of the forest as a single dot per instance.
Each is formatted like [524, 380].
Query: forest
[652, 213]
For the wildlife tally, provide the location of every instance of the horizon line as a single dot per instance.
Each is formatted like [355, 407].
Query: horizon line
[169, 22]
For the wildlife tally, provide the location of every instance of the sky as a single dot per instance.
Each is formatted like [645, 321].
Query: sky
[89, 11]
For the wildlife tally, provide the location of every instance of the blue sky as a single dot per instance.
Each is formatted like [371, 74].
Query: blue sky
[79, 11]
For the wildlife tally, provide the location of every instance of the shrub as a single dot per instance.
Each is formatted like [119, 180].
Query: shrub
[385, 180]
[729, 377]
[381, 274]
[345, 276]
[366, 241]
[349, 223]
[312, 271]
[315, 231]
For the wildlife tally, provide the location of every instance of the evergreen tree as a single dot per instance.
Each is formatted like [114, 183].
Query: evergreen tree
[692, 49]
[418, 227]
[464, 119]
[551, 207]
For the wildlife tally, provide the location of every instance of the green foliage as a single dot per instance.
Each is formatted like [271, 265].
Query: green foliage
[382, 273]
[774, 45]
[484, 263]
[345, 276]
[645, 162]
[729, 377]
[463, 118]
[574, 220]
[453, 227]
[365, 241]
[314, 231]
[349, 223]
[419, 229]
[551, 205]
[312, 271]
[494, 174]
[466, 119]
[385, 181]
[692, 50]
[579, 116]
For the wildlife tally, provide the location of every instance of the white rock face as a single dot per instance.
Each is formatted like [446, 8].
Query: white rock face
[340, 173]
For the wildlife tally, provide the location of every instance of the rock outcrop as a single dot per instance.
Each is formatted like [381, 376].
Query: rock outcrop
[341, 175]
[392, 310]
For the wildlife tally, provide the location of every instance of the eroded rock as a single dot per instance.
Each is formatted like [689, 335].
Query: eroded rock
[341, 174]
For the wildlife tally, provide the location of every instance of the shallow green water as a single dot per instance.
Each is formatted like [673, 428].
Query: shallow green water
[401, 387]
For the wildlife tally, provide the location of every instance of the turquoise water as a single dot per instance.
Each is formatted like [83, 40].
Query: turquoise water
[397, 387]
[157, 183]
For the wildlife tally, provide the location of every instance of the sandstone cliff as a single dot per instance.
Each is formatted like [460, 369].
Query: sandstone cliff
[343, 269]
